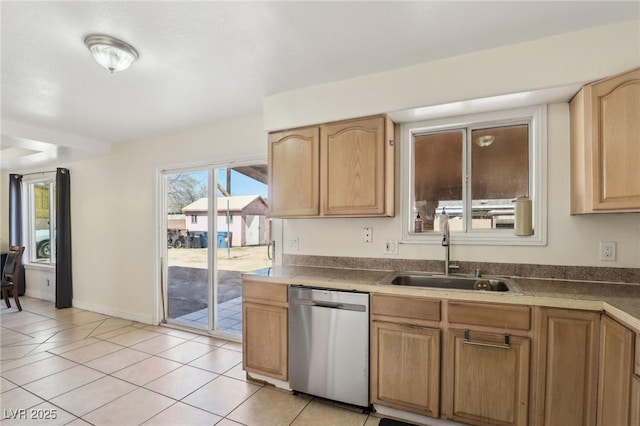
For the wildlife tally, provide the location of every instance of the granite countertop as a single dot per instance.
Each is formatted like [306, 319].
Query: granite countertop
[621, 301]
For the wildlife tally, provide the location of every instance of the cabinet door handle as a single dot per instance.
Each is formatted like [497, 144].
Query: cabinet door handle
[506, 345]
[271, 250]
[412, 326]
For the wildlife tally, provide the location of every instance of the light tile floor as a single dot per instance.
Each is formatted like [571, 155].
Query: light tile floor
[75, 367]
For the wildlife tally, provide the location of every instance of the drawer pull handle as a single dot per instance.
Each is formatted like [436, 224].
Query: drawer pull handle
[506, 345]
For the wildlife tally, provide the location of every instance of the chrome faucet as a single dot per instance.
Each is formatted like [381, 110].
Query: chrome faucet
[446, 242]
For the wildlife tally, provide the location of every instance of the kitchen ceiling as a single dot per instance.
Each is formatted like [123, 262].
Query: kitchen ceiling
[202, 62]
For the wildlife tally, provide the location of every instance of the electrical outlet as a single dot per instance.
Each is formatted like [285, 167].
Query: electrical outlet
[293, 244]
[390, 247]
[608, 250]
[367, 234]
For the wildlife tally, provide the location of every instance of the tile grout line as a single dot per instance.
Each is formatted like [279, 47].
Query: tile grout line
[225, 344]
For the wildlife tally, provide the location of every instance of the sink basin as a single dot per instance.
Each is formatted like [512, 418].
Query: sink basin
[451, 282]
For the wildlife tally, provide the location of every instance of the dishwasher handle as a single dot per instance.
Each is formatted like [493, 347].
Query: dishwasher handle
[330, 305]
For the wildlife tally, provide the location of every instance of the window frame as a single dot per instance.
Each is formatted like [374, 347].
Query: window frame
[536, 116]
[30, 223]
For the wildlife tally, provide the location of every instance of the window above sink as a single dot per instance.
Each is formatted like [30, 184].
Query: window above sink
[473, 168]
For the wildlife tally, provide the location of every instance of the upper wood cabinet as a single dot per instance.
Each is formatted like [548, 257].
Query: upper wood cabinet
[338, 169]
[294, 173]
[605, 146]
[356, 170]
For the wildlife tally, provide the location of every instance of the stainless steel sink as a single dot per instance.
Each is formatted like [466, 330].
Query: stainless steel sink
[452, 282]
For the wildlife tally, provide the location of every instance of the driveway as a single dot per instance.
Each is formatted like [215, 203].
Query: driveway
[187, 277]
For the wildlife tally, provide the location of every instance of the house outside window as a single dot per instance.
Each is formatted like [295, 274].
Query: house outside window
[194, 218]
[473, 168]
[42, 221]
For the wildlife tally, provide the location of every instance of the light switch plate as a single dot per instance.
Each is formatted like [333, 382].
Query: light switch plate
[390, 247]
[293, 244]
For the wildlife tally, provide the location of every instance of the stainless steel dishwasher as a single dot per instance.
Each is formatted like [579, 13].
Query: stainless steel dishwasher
[329, 344]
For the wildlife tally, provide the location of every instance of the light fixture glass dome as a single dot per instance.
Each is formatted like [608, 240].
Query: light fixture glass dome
[113, 54]
[484, 141]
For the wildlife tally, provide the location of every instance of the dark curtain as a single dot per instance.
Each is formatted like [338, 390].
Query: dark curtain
[64, 282]
[15, 220]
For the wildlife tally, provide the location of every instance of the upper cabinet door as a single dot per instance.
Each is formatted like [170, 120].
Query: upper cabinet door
[294, 173]
[615, 107]
[605, 146]
[357, 159]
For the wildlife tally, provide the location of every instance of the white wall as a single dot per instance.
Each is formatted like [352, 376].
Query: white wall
[42, 283]
[557, 61]
[572, 240]
[115, 265]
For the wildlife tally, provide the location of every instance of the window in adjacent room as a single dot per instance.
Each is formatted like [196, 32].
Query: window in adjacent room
[473, 169]
[42, 221]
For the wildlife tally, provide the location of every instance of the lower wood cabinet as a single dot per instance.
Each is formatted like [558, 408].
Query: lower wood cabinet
[405, 370]
[264, 329]
[475, 363]
[635, 401]
[636, 368]
[566, 368]
[487, 378]
[635, 387]
[405, 353]
[615, 373]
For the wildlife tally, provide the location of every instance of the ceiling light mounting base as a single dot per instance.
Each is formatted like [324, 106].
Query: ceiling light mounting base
[113, 54]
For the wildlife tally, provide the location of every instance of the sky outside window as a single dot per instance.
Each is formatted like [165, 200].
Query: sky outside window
[240, 184]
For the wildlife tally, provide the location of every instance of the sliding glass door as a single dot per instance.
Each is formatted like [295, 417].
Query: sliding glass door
[217, 228]
[243, 233]
[187, 262]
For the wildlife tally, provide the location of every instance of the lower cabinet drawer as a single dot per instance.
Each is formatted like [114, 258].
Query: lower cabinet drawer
[415, 308]
[264, 291]
[490, 315]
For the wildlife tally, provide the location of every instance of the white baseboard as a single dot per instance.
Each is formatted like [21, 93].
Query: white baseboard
[144, 319]
[39, 295]
[382, 411]
[280, 384]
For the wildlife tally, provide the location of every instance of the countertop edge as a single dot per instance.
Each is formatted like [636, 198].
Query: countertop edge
[554, 295]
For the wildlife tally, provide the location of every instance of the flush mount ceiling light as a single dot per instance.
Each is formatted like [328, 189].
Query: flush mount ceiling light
[113, 54]
[486, 140]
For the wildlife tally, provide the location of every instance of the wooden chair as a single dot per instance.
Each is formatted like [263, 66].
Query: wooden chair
[11, 274]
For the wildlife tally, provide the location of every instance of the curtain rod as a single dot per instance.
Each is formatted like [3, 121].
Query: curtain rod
[39, 173]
